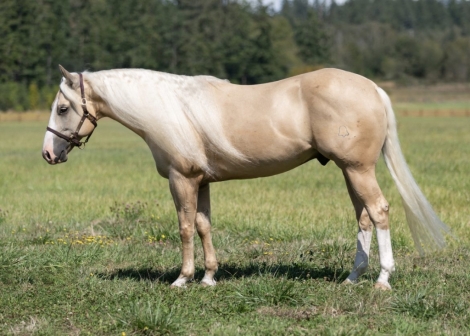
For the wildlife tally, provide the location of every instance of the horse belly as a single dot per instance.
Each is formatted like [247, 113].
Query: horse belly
[268, 124]
[261, 167]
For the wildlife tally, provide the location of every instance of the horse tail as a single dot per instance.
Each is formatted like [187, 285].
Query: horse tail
[426, 228]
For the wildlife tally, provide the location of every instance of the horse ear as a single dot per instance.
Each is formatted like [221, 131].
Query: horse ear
[70, 79]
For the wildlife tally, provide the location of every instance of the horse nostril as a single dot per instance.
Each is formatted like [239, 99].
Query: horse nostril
[46, 156]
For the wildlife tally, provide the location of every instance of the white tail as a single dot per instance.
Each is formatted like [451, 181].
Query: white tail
[426, 228]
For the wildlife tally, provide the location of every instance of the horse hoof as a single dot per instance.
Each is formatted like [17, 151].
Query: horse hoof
[348, 282]
[208, 283]
[383, 286]
[179, 283]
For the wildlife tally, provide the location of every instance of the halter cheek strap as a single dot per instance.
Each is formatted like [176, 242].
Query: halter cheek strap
[73, 139]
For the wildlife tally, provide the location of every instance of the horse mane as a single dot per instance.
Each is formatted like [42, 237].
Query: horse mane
[176, 111]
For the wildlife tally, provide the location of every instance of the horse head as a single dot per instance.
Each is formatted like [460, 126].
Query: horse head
[73, 117]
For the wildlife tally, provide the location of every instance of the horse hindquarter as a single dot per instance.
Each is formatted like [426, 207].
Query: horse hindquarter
[349, 126]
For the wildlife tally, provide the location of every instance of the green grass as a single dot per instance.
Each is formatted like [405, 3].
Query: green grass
[91, 246]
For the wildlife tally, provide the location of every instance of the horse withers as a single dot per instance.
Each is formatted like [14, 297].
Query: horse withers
[202, 129]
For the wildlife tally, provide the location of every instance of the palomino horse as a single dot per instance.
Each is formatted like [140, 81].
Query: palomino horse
[202, 129]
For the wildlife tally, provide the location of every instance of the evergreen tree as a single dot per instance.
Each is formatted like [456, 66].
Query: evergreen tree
[242, 41]
[312, 39]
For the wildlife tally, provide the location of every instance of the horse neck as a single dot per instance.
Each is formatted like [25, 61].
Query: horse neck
[110, 93]
[178, 113]
[152, 105]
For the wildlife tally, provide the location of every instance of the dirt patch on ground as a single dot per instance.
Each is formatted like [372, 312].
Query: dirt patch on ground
[299, 314]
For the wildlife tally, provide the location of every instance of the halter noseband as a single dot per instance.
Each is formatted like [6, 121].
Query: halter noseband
[73, 139]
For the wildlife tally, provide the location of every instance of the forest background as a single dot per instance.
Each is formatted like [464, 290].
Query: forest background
[405, 41]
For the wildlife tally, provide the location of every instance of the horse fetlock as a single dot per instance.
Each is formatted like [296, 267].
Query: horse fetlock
[388, 266]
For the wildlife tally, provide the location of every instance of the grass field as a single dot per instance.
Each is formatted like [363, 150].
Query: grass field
[90, 247]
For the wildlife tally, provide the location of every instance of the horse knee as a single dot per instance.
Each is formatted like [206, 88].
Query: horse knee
[203, 225]
[186, 231]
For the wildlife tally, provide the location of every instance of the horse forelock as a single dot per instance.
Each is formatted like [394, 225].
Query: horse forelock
[174, 110]
[69, 93]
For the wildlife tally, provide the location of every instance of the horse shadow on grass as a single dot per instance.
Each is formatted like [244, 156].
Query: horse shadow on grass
[227, 272]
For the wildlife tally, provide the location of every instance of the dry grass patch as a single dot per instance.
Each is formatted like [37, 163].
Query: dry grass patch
[27, 327]
[299, 314]
[290, 313]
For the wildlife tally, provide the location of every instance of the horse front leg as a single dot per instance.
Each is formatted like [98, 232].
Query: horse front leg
[203, 226]
[184, 191]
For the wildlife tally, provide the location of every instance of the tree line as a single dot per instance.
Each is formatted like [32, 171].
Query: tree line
[402, 39]
[245, 42]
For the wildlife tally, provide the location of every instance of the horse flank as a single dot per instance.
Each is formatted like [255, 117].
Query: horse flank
[176, 111]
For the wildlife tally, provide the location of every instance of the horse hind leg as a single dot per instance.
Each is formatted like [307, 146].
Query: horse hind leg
[364, 185]
[364, 236]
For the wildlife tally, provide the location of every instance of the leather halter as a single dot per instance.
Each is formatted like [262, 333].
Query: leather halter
[73, 139]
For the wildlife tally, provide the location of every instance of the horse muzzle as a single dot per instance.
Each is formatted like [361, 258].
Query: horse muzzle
[52, 159]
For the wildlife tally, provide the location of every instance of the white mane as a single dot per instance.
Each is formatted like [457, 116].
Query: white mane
[174, 110]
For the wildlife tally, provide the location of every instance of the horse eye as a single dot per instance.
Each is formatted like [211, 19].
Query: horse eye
[63, 109]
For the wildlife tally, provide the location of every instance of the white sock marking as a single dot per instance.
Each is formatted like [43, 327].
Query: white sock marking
[361, 261]
[387, 264]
